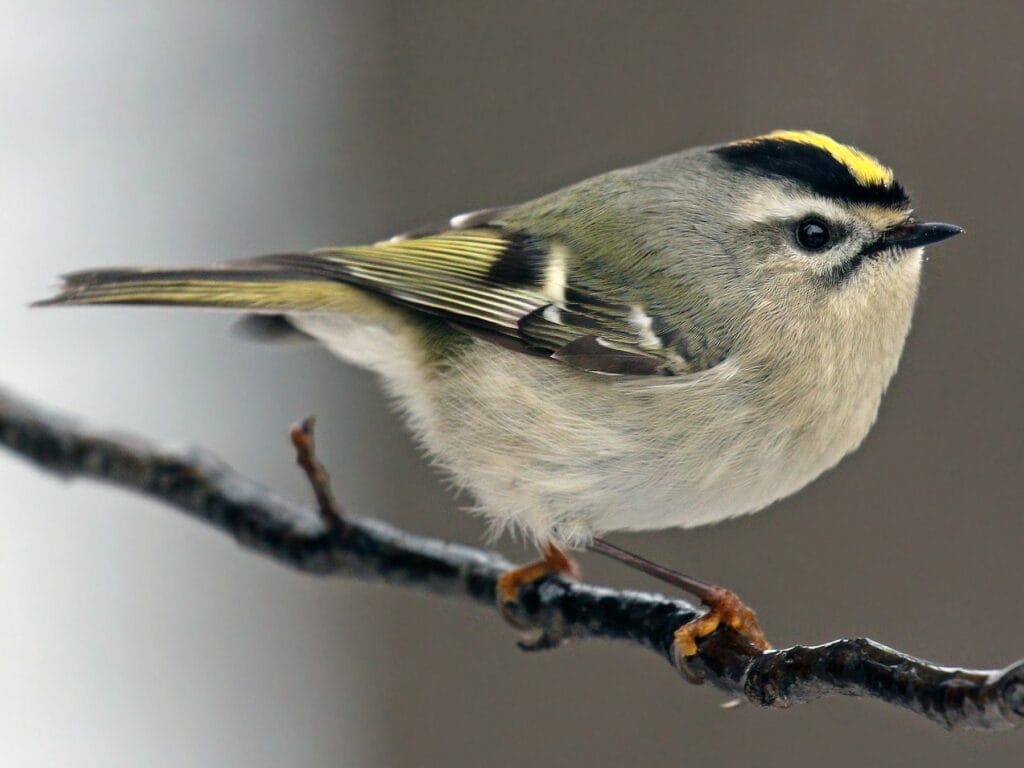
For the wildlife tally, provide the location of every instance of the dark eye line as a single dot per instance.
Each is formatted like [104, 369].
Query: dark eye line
[841, 272]
[881, 243]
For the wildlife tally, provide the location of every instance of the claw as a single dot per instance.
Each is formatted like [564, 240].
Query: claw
[724, 607]
[554, 561]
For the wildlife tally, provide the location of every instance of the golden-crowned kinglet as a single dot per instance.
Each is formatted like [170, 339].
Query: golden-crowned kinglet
[669, 344]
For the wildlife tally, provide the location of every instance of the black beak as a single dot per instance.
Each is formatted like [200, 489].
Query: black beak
[915, 236]
[919, 235]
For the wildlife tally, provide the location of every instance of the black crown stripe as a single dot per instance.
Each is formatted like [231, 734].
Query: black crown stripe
[812, 167]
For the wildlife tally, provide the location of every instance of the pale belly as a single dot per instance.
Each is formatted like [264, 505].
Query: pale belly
[554, 453]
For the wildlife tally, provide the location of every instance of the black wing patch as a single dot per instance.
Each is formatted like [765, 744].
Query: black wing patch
[524, 263]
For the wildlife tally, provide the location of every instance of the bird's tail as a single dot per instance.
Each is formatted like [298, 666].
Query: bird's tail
[285, 293]
[259, 288]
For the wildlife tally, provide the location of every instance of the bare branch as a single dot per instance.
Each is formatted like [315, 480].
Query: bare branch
[323, 542]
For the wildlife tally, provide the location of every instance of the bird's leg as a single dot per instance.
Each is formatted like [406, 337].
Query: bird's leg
[724, 606]
[554, 560]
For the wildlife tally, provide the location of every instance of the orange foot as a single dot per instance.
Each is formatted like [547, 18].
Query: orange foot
[724, 608]
[553, 560]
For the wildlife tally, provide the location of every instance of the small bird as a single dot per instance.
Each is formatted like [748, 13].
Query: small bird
[670, 344]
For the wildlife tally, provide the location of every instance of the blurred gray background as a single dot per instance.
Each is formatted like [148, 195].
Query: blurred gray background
[189, 132]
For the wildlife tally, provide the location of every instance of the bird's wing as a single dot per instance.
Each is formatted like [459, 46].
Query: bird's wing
[511, 286]
[516, 289]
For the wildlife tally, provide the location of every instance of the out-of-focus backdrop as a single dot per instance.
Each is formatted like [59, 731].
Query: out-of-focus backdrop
[171, 132]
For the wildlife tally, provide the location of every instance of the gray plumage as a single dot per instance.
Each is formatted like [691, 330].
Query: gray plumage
[652, 347]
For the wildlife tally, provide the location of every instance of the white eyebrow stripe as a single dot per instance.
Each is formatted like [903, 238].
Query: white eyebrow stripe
[772, 205]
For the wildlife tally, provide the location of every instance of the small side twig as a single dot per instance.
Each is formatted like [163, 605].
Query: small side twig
[330, 510]
[262, 521]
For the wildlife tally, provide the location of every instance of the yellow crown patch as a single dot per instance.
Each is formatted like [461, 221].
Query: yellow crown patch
[864, 168]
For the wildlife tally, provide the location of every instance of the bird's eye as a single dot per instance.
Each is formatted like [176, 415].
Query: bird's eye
[813, 234]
